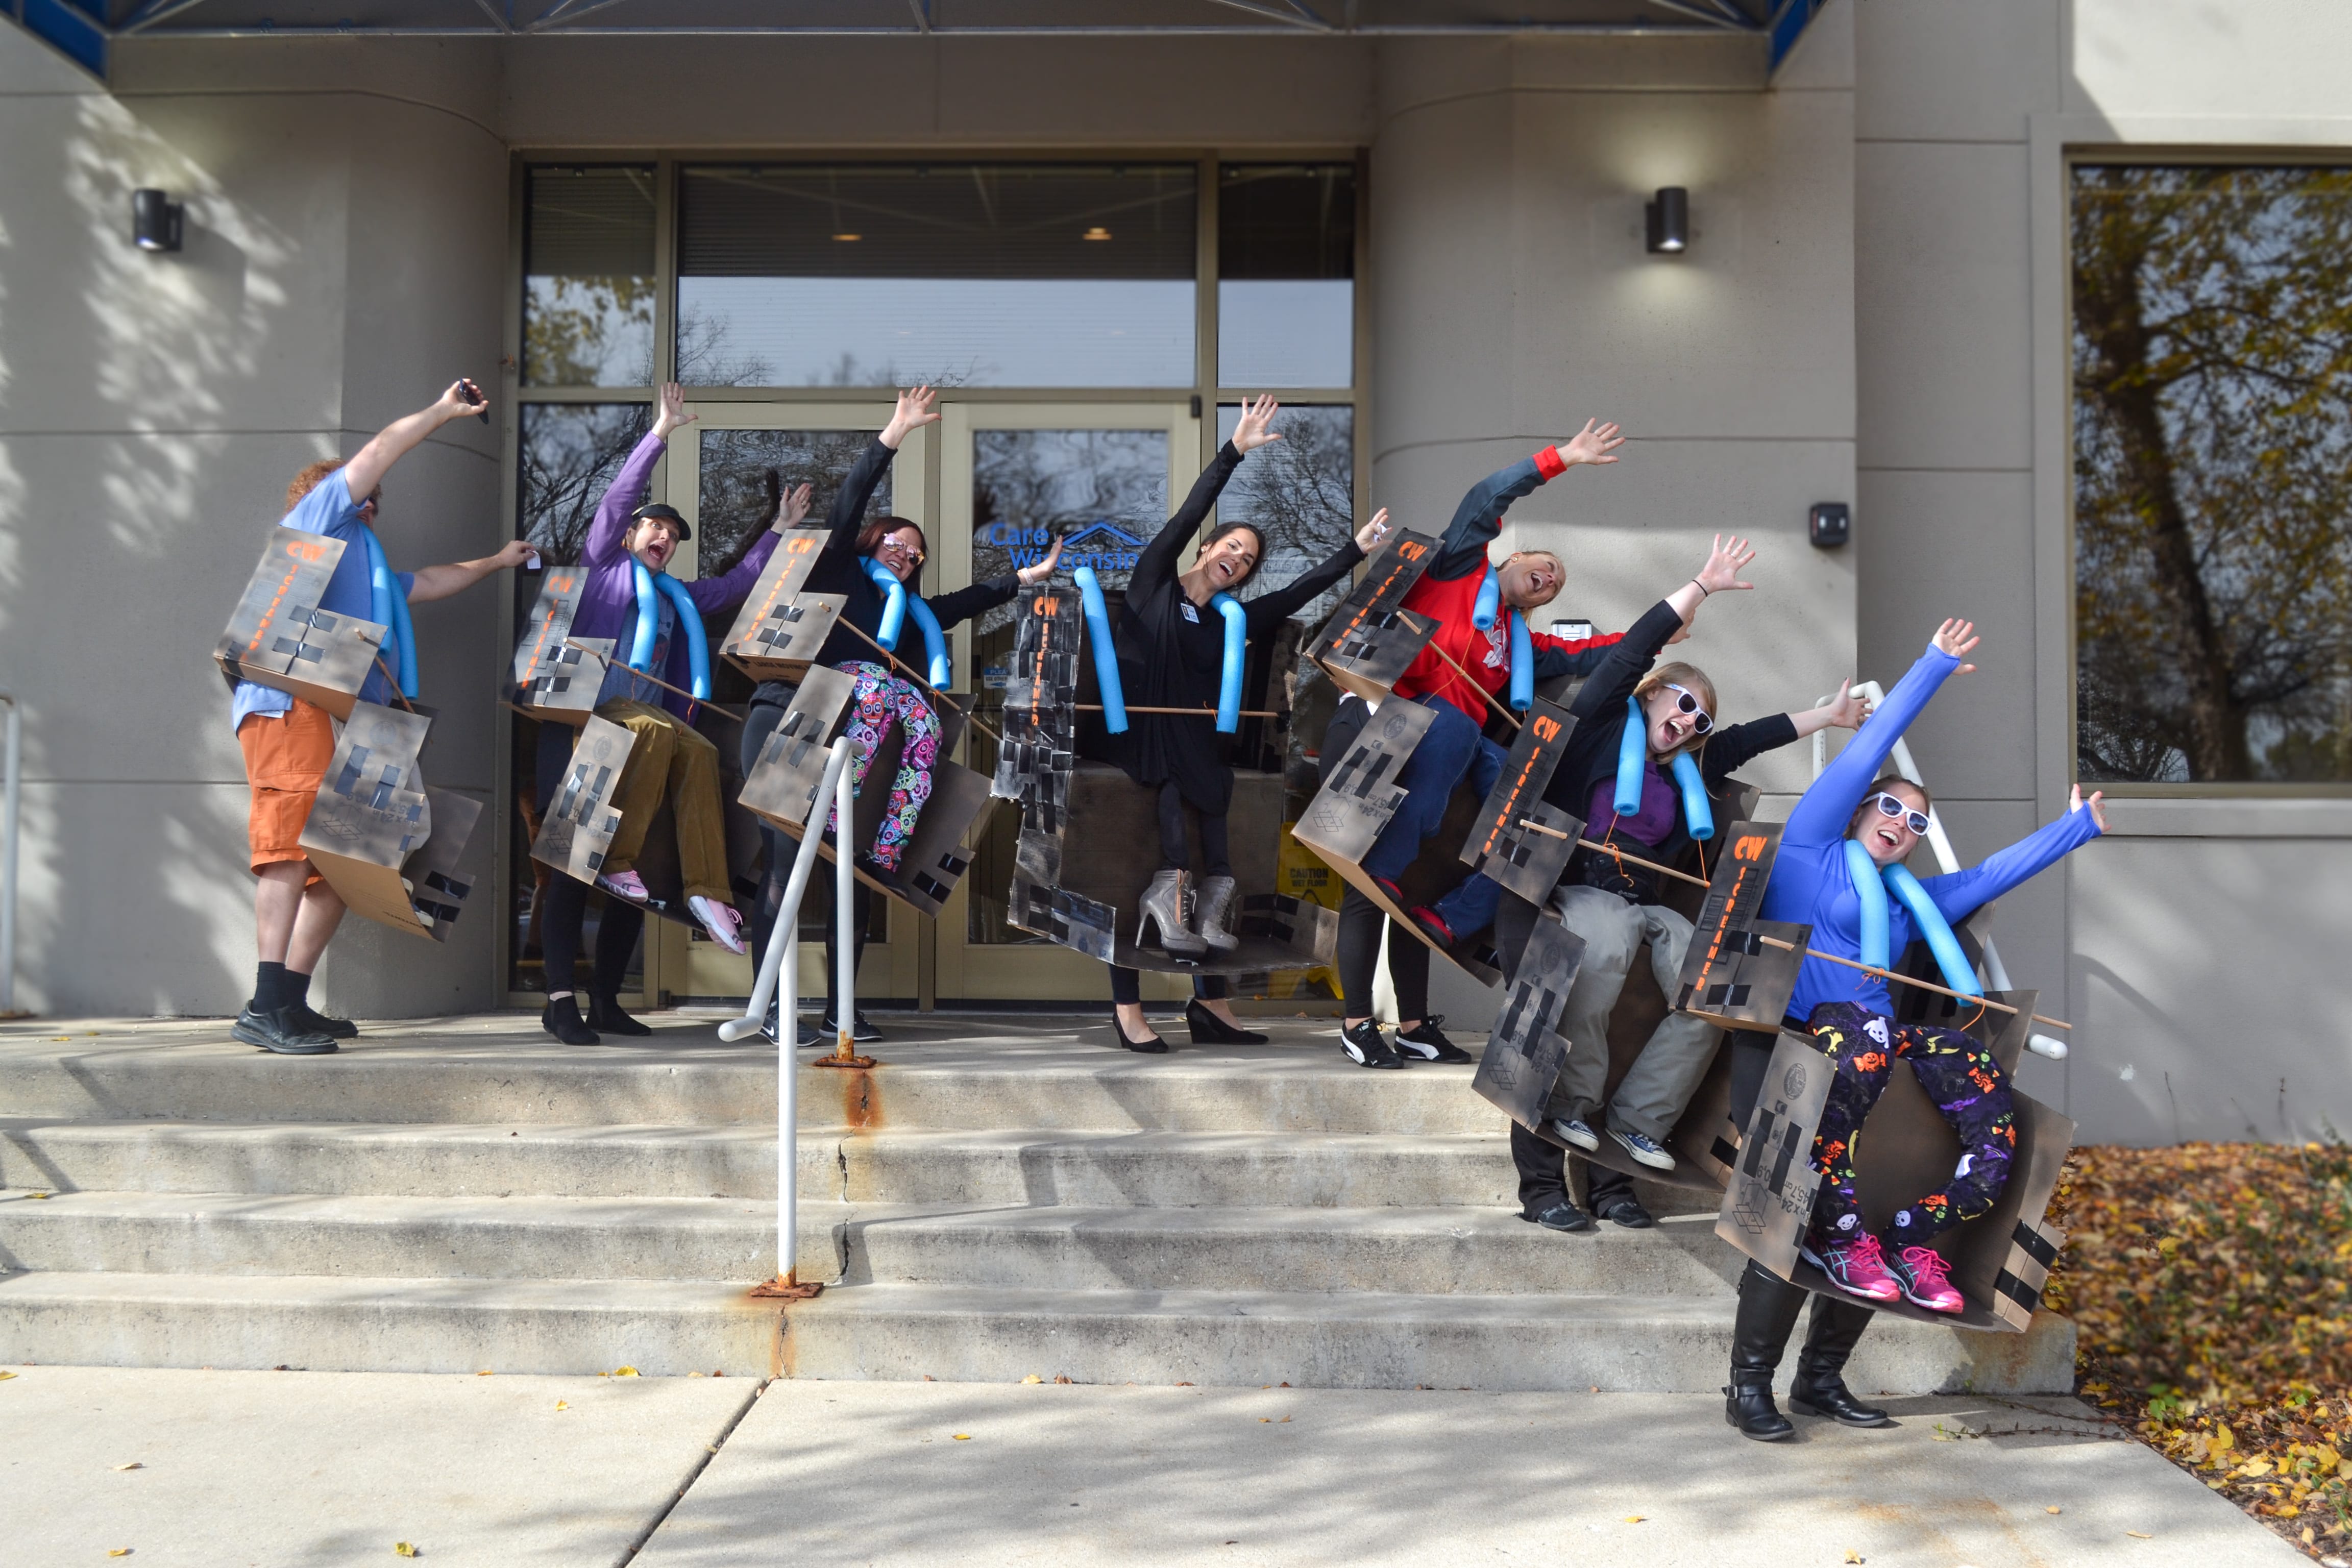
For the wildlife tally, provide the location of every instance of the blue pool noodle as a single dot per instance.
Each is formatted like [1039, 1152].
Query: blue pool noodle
[1698, 813]
[1229, 682]
[1114, 700]
[1633, 751]
[894, 606]
[1523, 665]
[698, 644]
[1958, 973]
[388, 608]
[1488, 603]
[1871, 894]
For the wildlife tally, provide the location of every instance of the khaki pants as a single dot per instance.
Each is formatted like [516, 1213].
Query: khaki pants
[670, 758]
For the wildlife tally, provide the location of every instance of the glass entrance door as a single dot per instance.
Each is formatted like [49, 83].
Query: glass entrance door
[1011, 476]
[720, 476]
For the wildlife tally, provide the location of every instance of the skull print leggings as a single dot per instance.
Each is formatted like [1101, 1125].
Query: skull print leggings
[881, 696]
[1959, 1075]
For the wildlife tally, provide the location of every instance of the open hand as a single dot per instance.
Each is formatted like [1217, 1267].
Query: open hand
[793, 506]
[1031, 576]
[1255, 428]
[1724, 564]
[1954, 639]
[917, 406]
[672, 411]
[1593, 443]
[1849, 708]
[1369, 537]
[2098, 803]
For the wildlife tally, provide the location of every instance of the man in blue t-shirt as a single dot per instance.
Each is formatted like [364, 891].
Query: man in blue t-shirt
[289, 742]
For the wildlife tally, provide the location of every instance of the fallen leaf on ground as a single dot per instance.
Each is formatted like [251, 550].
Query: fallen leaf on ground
[486, 1372]
[403, 1549]
[563, 1404]
[963, 1436]
[2139, 1535]
[625, 1372]
[2054, 1508]
[1852, 1555]
[1632, 1519]
[1033, 1377]
[133, 1465]
[4, 1376]
[1061, 1377]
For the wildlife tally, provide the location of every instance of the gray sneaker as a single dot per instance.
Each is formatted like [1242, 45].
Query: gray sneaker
[280, 1032]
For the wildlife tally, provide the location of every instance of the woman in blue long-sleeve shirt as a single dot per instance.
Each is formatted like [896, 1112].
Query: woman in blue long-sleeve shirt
[1848, 1012]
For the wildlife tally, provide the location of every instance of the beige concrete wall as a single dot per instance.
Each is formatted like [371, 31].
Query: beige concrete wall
[2187, 945]
[344, 260]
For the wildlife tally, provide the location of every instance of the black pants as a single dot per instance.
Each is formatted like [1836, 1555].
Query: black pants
[1126, 987]
[1175, 855]
[1360, 921]
[768, 705]
[564, 910]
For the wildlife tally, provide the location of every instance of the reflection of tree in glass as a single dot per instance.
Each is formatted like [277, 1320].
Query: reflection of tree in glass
[847, 371]
[1066, 481]
[705, 358]
[588, 332]
[570, 453]
[2212, 316]
[736, 500]
[1300, 493]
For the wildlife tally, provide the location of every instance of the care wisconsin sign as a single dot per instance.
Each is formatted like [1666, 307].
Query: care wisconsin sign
[1101, 545]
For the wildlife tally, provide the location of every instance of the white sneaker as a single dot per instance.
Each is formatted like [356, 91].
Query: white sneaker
[1576, 1133]
[1646, 1150]
[721, 921]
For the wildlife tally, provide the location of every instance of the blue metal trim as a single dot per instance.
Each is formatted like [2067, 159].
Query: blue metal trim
[68, 30]
[1789, 25]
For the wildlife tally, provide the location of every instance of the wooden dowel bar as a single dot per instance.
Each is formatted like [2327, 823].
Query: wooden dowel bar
[657, 680]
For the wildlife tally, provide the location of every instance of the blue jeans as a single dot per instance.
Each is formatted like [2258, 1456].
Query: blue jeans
[1452, 751]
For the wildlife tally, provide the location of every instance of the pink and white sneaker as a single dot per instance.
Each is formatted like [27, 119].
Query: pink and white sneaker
[1925, 1278]
[625, 885]
[1856, 1267]
[725, 926]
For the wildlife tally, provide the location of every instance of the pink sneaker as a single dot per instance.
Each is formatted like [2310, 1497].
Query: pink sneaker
[625, 885]
[1925, 1278]
[721, 921]
[1856, 1267]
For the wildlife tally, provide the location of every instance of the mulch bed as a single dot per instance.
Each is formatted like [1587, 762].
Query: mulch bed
[2211, 1284]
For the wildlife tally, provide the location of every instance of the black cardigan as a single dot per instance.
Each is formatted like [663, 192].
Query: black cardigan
[1591, 756]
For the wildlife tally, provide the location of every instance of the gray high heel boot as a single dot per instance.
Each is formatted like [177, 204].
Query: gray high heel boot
[1163, 906]
[1210, 911]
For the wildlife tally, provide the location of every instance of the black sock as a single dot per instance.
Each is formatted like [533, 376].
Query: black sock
[269, 988]
[298, 989]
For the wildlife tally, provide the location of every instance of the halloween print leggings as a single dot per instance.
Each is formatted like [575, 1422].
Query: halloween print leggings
[1959, 1075]
[881, 696]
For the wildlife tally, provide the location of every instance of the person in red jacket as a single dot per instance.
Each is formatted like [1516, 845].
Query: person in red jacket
[1447, 593]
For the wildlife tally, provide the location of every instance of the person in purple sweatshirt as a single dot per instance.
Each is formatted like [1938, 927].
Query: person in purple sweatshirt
[669, 756]
[1837, 863]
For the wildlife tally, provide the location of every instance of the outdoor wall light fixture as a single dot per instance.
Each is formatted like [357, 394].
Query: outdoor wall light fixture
[155, 220]
[1668, 219]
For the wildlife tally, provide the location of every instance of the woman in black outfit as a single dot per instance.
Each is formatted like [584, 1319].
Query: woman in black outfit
[851, 540]
[1172, 653]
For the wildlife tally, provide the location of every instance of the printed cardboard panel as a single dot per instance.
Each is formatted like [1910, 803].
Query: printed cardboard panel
[1731, 976]
[1526, 1051]
[1370, 641]
[279, 637]
[552, 679]
[577, 831]
[385, 841]
[1770, 1199]
[784, 777]
[1035, 763]
[1360, 793]
[779, 628]
[1501, 848]
[935, 859]
[423, 897]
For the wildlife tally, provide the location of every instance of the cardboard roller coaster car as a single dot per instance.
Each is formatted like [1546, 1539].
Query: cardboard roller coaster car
[779, 628]
[388, 843]
[782, 784]
[556, 675]
[280, 638]
[1084, 889]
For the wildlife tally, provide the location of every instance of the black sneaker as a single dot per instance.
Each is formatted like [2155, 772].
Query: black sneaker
[313, 1023]
[1428, 1043]
[279, 1032]
[1367, 1047]
[1623, 1209]
[561, 1018]
[606, 1017]
[860, 1031]
[811, 1037]
[1561, 1216]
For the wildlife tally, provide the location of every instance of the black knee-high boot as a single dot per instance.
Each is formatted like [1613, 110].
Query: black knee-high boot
[1819, 1387]
[1768, 1311]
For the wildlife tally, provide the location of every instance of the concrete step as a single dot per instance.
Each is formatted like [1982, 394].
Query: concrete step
[1048, 1072]
[1428, 1251]
[352, 1159]
[412, 1237]
[663, 1328]
[1351, 1340]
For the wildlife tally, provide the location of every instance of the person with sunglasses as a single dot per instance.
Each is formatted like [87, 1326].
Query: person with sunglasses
[883, 694]
[1847, 834]
[1628, 795]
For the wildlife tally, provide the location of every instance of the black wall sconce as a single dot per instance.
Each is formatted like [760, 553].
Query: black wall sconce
[1830, 525]
[1668, 220]
[155, 220]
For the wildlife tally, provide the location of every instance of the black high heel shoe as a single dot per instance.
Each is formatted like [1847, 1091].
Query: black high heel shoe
[1207, 1029]
[1153, 1046]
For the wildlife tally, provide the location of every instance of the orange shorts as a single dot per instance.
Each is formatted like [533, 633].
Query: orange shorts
[286, 758]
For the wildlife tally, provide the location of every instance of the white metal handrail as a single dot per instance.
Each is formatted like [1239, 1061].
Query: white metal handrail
[780, 968]
[1996, 973]
[11, 787]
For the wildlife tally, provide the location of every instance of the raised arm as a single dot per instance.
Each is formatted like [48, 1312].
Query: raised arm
[1961, 893]
[440, 582]
[916, 408]
[1276, 606]
[1157, 562]
[1821, 813]
[1479, 519]
[402, 435]
[608, 535]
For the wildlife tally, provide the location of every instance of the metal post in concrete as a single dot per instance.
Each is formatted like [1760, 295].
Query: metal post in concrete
[845, 927]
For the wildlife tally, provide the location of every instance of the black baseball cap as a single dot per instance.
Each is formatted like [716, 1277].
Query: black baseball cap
[664, 510]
